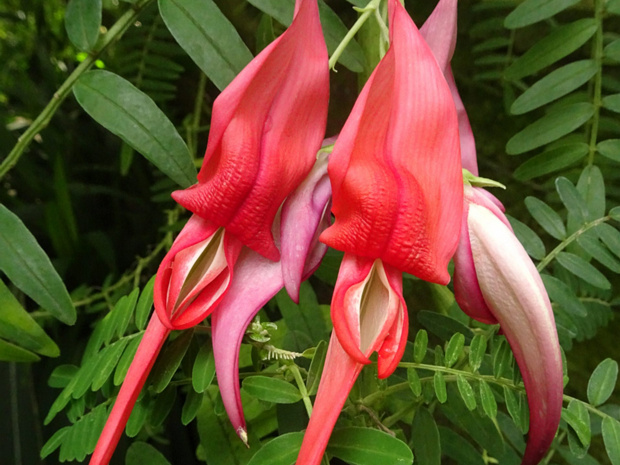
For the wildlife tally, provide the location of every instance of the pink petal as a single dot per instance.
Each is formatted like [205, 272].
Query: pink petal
[305, 214]
[256, 281]
[150, 346]
[513, 290]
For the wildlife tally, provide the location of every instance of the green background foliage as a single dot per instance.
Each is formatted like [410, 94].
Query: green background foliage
[105, 109]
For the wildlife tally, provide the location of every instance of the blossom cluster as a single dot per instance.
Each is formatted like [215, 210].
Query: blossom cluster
[394, 182]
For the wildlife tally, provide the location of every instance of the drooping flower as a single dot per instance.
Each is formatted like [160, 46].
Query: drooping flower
[495, 281]
[304, 215]
[397, 195]
[266, 129]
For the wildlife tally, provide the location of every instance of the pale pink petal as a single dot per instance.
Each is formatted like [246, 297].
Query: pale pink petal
[513, 290]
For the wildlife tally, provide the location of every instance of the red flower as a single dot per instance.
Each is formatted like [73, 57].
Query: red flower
[267, 127]
[398, 198]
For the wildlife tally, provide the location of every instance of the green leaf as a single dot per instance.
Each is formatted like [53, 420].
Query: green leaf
[614, 213]
[108, 360]
[554, 125]
[62, 375]
[559, 43]
[466, 391]
[602, 382]
[11, 353]
[123, 364]
[610, 237]
[420, 346]
[533, 244]
[425, 438]
[208, 37]
[612, 50]
[365, 446]
[609, 148]
[439, 383]
[591, 186]
[502, 358]
[192, 404]
[571, 198]
[132, 115]
[144, 305]
[563, 295]
[458, 448]
[479, 427]
[316, 368]
[513, 406]
[555, 85]
[282, 450]
[443, 326]
[579, 267]
[533, 11]
[578, 418]
[547, 217]
[612, 102]
[271, 389]
[138, 417]
[590, 243]
[414, 381]
[169, 361]
[82, 22]
[477, 349]
[303, 317]
[17, 326]
[551, 160]
[334, 29]
[487, 399]
[141, 453]
[162, 406]
[54, 442]
[204, 369]
[611, 437]
[454, 349]
[27, 266]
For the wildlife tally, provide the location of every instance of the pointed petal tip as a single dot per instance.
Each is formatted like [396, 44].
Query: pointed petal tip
[243, 435]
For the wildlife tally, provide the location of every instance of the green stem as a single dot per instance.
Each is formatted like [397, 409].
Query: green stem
[367, 11]
[566, 242]
[59, 96]
[292, 367]
[194, 129]
[598, 79]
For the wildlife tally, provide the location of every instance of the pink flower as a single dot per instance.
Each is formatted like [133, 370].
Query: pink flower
[495, 281]
[397, 195]
[304, 215]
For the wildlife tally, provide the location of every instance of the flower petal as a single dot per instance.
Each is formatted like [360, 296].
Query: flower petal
[339, 375]
[513, 290]
[266, 128]
[150, 346]
[400, 140]
[305, 214]
[256, 281]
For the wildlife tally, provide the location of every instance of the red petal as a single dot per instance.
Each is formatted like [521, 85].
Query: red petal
[339, 375]
[150, 346]
[395, 169]
[267, 126]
